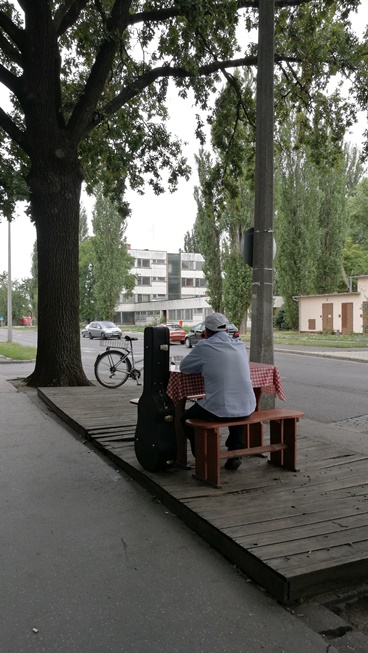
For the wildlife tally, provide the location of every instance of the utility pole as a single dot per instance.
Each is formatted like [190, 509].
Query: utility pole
[261, 344]
[10, 307]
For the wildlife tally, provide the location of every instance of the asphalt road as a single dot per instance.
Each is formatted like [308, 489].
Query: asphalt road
[326, 390]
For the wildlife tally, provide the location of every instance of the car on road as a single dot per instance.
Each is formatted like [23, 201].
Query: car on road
[177, 333]
[103, 329]
[195, 333]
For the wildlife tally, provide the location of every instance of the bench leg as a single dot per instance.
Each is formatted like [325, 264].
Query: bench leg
[256, 430]
[277, 437]
[290, 428]
[256, 434]
[207, 462]
[283, 431]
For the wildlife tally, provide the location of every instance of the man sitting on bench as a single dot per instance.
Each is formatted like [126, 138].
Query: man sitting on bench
[223, 363]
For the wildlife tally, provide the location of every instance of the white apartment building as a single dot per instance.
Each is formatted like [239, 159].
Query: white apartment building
[169, 288]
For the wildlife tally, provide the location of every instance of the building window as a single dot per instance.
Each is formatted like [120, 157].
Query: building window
[143, 298]
[200, 283]
[126, 300]
[180, 314]
[161, 279]
[143, 281]
[191, 265]
[143, 263]
[187, 283]
[159, 261]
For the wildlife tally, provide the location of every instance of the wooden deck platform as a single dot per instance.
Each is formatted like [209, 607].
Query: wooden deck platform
[295, 534]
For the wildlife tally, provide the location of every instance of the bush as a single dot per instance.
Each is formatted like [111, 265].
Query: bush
[279, 321]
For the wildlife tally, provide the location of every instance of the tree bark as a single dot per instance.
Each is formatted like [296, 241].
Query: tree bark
[55, 195]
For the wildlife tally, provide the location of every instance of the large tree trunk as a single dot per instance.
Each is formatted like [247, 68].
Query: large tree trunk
[55, 192]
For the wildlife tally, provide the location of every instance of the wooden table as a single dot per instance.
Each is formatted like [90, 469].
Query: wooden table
[264, 377]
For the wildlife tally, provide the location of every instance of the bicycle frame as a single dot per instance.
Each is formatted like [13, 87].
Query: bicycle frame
[116, 364]
[135, 372]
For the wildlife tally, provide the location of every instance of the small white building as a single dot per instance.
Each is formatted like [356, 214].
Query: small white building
[341, 312]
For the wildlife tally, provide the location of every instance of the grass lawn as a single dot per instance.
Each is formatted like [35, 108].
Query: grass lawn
[298, 339]
[17, 352]
[317, 340]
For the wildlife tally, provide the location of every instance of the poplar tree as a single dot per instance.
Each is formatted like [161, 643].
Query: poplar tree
[111, 258]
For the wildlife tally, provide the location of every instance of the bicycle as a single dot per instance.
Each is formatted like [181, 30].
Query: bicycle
[114, 366]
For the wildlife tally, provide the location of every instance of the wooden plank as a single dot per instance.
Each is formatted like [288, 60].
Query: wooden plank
[320, 527]
[317, 543]
[268, 521]
[293, 533]
[327, 559]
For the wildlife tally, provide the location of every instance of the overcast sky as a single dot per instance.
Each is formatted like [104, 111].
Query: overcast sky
[156, 222]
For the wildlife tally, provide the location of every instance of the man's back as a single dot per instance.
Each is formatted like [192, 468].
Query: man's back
[223, 363]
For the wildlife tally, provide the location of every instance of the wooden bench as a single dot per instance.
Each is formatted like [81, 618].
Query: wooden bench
[191, 398]
[282, 447]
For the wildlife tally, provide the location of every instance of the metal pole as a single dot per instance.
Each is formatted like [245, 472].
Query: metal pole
[261, 344]
[10, 308]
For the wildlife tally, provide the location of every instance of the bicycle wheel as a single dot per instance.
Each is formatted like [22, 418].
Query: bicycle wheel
[112, 368]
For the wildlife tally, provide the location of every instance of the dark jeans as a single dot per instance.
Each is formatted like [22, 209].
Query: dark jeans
[235, 439]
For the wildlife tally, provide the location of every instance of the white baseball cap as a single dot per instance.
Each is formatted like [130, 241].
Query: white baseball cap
[216, 322]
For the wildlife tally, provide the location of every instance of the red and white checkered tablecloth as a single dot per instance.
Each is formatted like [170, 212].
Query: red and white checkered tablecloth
[262, 376]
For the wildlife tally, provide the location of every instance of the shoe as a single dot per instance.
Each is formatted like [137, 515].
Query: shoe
[233, 463]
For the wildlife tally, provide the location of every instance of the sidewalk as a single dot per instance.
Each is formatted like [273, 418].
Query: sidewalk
[93, 564]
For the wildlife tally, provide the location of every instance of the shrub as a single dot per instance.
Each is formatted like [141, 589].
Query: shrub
[279, 320]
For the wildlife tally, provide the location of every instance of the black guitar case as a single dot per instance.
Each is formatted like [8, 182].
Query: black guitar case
[155, 439]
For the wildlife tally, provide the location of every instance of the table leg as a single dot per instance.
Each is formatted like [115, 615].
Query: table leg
[258, 395]
[256, 430]
[181, 441]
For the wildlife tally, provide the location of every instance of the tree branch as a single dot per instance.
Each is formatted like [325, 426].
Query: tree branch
[14, 33]
[9, 80]
[160, 15]
[83, 112]
[10, 51]
[11, 129]
[145, 80]
[67, 14]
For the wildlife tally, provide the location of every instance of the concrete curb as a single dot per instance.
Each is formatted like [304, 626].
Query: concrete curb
[11, 360]
[325, 354]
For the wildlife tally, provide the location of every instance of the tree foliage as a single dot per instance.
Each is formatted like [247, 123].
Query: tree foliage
[358, 214]
[207, 231]
[20, 299]
[32, 282]
[311, 223]
[298, 200]
[88, 81]
[112, 261]
[225, 199]
[87, 259]
[355, 260]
